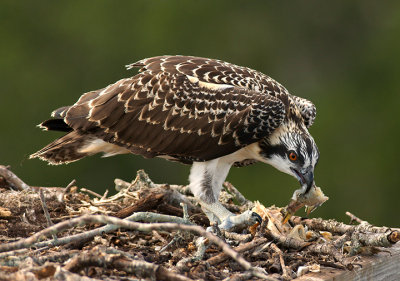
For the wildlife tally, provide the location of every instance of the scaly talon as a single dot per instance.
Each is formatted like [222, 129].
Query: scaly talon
[257, 217]
[286, 218]
[310, 209]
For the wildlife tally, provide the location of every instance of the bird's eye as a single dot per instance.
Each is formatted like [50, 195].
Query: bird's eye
[292, 156]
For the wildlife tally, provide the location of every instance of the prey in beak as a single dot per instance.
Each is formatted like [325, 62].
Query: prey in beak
[305, 178]
[311, 200]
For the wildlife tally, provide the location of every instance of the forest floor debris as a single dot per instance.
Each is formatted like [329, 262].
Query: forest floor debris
[158, 232]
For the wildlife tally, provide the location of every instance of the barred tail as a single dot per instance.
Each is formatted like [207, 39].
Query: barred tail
[66, 149]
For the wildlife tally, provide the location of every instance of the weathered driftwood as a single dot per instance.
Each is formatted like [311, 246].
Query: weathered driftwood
[157, 231]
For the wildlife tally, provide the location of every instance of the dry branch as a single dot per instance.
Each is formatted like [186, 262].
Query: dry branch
[12, 179]
[100, 258]
[87, 219]
[45, 209]
[356, 219]
[86, 235]
[337, 227]
[285, 274]
[147, 244]
[240, 249]
[239, 196]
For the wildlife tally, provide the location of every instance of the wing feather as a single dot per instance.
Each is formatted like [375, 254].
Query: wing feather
[220, 72]
[165, 113]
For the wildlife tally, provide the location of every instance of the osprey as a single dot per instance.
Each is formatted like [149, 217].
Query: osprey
[199, 111]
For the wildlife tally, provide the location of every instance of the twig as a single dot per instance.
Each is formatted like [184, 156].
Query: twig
[378, 239]
[174, 240]
[326, 248]
[158, 236]
[86, 219]
[141, 216]
[339, 242]
[318, 260]
[46, 211]
[363, 233]
[285, 274]
[143, 177]
[356, 219]
[337, 227]
[91, 192]
[240, 249]
[331, 264]
[183, 189]
[47, 271]
[145, 204]
[69, 186]
[239, 277]
[104, 195]
[201, 244]
[44, 206]
[178, 237]
[185, 211]
[56, 257]
[142, 269]
[236, 236]
[239, 196]
[12, 179]
[13, 253]
[15, 258]
[121, 184]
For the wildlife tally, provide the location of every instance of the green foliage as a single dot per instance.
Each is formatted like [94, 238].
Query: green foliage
[342, 55]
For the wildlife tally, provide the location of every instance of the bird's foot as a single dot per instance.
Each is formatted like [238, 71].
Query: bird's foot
[238, 222]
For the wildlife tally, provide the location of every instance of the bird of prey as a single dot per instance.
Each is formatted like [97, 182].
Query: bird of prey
[199, 111]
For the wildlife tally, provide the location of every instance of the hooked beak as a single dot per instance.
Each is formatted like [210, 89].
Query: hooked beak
[305, 177]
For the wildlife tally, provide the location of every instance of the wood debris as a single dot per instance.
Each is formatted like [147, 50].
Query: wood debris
[154, 231]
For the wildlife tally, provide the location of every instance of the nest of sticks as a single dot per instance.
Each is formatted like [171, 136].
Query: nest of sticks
[158, 232]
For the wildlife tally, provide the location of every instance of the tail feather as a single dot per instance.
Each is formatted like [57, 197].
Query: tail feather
[55, 125]
[64, 150]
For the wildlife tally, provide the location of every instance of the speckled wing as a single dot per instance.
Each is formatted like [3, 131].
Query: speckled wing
[307, 109]
[211, 71]
[172, 114]
[220, 72]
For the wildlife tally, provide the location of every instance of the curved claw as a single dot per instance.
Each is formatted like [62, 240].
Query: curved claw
[235, 222]
[310, 209]
[286, 217]
[257, 217]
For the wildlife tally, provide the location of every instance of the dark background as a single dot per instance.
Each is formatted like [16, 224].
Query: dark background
[342, 55]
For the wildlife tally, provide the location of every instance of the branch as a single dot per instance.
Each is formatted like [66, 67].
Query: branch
[285, 274]
[141, 216]
[293, 243]
[240, 249]
[142, 269]
[356, 219]
[145, 227]
[239, 196]
[12, 179]
[337, 227]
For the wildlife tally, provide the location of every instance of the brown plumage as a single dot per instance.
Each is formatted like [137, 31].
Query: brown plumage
[185, 108]
[198, 111]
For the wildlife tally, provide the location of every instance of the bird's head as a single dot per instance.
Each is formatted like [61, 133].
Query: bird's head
[292, 150]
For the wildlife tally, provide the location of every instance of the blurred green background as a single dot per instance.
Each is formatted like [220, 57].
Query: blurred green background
[342, 55]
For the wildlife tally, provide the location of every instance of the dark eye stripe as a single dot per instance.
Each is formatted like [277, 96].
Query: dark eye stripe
[309, 146]
[269, 150]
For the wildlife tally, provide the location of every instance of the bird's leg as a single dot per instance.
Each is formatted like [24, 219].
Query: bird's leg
[202, 186]
[206, 180]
